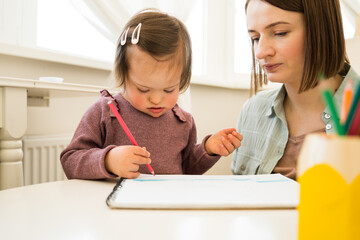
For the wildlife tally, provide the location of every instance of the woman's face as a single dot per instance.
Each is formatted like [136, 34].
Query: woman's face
[278, 38]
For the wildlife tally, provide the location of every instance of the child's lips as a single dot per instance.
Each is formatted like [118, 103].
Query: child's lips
[156, 109]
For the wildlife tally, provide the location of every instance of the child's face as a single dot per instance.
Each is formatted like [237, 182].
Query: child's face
[152, 86]
[279, 41]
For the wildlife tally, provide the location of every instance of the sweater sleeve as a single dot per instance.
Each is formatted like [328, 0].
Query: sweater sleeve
[84, 157]
[195, 158]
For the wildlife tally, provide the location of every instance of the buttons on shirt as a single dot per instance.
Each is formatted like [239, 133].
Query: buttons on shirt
[327, 116]
[328, 126]
[243, 168]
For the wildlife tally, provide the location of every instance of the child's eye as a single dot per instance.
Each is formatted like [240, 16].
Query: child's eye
[169, 91]
[142, 90]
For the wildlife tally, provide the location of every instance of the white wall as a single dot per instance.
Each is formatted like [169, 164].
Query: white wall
[215, 108]
[353, 46]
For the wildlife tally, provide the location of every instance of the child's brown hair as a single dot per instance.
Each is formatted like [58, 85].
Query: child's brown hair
[159, 35]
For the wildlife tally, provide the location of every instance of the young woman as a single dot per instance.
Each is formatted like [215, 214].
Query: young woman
[293, 42]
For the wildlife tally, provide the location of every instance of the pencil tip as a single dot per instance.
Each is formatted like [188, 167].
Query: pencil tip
[153, 173]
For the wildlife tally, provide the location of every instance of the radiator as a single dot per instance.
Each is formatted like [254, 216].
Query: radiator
[41, 160]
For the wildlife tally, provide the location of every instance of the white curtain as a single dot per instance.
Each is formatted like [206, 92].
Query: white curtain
[352, 10]
[110, 16]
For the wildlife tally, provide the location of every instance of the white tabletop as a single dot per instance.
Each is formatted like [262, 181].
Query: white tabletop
[76, 209]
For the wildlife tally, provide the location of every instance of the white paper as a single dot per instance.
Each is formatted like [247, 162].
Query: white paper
[206, 192]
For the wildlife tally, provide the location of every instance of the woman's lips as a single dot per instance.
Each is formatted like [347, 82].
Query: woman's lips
[271, 67]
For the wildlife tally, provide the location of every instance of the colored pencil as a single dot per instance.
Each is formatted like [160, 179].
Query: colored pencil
[346, 101]
[353, 108]
[355, 122]
[126, 130]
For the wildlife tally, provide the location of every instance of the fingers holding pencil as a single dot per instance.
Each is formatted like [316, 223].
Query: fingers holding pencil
[127, 131]
[125, 161]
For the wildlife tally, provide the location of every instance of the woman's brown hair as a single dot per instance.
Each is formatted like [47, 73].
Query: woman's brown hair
[324, 43]
[160, 35]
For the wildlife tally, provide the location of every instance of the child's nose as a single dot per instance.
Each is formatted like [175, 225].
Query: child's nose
[155, 98]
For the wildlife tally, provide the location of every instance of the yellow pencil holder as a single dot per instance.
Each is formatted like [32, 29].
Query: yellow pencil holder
[328, 171]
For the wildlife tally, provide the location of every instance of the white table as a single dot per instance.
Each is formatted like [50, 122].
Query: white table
[76, 209]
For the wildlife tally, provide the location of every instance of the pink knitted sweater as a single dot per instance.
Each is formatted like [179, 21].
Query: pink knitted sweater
[170, 139]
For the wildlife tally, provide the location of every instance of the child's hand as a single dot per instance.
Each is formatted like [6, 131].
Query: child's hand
[125, 161]
[224, 142]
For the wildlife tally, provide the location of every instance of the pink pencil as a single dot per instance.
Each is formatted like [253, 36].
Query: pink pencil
[127, 131]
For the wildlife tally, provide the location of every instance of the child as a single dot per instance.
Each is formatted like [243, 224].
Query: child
[153, 65]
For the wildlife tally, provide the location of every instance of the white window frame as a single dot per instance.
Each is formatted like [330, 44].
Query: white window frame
[239, 80]
[218, 47]
[22, 16]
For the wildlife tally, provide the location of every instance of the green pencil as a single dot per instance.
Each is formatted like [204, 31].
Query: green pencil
[326, 95]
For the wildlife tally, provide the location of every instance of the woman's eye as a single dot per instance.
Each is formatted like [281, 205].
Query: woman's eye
[281, 34]
[169, 91]
[254, 38]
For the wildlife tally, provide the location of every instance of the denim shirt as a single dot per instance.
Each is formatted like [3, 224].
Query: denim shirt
[263, 124]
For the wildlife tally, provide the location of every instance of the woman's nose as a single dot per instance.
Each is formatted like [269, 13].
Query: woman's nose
[264, 49]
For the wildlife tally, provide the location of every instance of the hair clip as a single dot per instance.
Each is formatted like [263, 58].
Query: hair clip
[123, 37]
[137, 31]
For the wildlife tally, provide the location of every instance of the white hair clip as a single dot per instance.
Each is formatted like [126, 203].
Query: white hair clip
[123, 37]
[137, 32]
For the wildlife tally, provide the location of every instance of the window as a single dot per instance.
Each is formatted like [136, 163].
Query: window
[73, 34]
[242, 43]
[221, 47]
[195, 27]
[60, 27]
[349, 29]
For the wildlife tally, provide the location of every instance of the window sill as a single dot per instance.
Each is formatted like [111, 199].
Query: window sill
[241, 85]
[53, 56]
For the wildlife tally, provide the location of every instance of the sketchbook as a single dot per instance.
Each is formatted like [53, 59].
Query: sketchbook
[205, 192]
